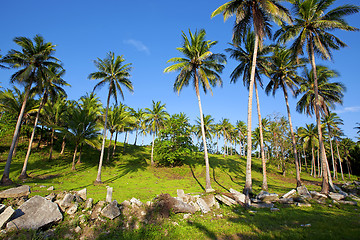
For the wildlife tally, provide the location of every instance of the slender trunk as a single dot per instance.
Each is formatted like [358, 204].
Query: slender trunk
[306, 166]
[248, 180]
[5, 180]
[63, 145]
[298, 179]
[341, 169]
[52, 142]
[23, 174]
[113, 152]
[136, 136]
[318, 163]
[240, 145]
[224, 146]
[74, 157]
[41, 135]
[348, 167]
[109, 147]
[332, 153]
[80, 151]
[217, 143]
[152, 150]
[325, 177]
[98, 177]
[313, 169]
[125, 140]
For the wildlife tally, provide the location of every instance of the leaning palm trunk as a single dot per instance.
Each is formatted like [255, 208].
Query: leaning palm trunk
[98, 177]
[206, 158]
[264, 183]
[63, 145]
[341, 170]
[325, 177]
[52, 143]
[5, 180]
[80, 151]
[248, 180]
[74, 157]
[23, 174]
[298, 179]
[332, 154]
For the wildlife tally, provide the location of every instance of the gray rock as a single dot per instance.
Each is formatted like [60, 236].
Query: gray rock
[111, 211]
[6, 215]
[203, 206]
[274, 209]
[148, 203]
[337, 188]
[97, 209]
[354, 197]
[51, 188]
[125, 203]
[289, 194]
[67, 200]
[195, 205]
[109, 191]
[226, 200]
[71, 210]
[353, 203]
[136, 202]
[209, 200]
[51, 196]
[180, 193]
[267, 197]
[82, 194]
[336, 196]
[89, 203]
[35, 213]
[317, 195]
[299, 204]
[262, 205]
[2, 208]
[239, 197]
[303, 191]
[77, 229]
[286, 200]
[17, 192]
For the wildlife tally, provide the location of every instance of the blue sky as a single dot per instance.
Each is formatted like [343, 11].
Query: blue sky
[147, 34]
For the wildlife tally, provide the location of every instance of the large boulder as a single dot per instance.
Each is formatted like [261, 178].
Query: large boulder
[35, 213]
[17, 192]
[165, 204]
[336, 196]
[303, 191]
[111, 211]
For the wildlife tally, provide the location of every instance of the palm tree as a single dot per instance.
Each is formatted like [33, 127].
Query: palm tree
[282, 74]
[208, 127]
[256, 13]
[309, 137]
[34, 60]
[245, 57]
[311, 30]
[241, 129]
[139, 118]
[203, 66]
[116, 75]
[225, 126]
[155, 118]
[358, 129]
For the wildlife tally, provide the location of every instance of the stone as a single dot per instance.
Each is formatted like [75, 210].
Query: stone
[354, 197]
[111, 211]
[17, 192]
[286, 200]
[97, 209]
[77, 229]
[136, 202]
[89, 203]
[148, 203]
[6, 215]
[209, 200]
[50, 188]
[35, 213]
[303, 191]
[180, 193]
[337, 188]
[2, 208]
[299, 204]
[195, 205]
[51, 196]
[82, 218]
[336, 196]
[274, 209]
[125, 203]
[267, 197]
[317, 195]
[203, 205]
[353, 203]
[42, 186]
[109, 191]
[71, 210]
[209, 190]
[67, 200]
[165, 203]
[187, 215]
[226, 200]
[238, 196]
[262, 205]
[289, 194]
[82, 194]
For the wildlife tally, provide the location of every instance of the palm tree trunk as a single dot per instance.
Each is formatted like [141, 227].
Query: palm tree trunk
[325, 177]
[113, 152]
[41, 136]
[206, 158]
[298, 179]
[348, 167]
[5, 180]
[125, 140]
[23, 174]
[136, 136]
[248, 181]
[152, 150]
[98, 177]
[109, 148]
[73, 162]
[332, 153]
[264, 183]
[51, 143]
[80, 151]
[341, 169]
[306, 165]
[63, 145]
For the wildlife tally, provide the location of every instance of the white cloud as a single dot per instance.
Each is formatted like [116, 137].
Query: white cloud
[348, 109]
[141, 47]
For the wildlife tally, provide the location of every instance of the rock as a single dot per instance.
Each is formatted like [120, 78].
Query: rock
[136, 202]
[180, 193]
[354, 197]
[42, 186]
[97, 209]
[51, 196]
[209, 190]
[77, 229]
[89, 203]
[50, 188]
[35, 213]
[317, 195]
[2, 208]
[82, 194]
[238, 196]
[109, 194]
[111, 211]
[209, 200]
[148, 203]
[196, 206]
[82, 218]
[187, 215]
[71, 210]
[303, 191]
[298, 204]
[286, 200]
[203, 205]
[165, 204]
[289, 194]
[262, 205]
[67, 200]
[17, 192]
[306, 225]
[125, 203]
[353, 203]
[301, 199]
[336, 196]
[6, 215]
[226, 200]
[337, 188]
[267, 197]
[274, 209]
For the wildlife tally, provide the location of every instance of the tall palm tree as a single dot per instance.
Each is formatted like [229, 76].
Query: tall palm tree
[241, 129]
[256, 13]
[225, 131]
[311, 30]
[283, 75]
[112, 72]
[203, 66]
[208, 127]
[34, 60]
[245, 57]
[155, 118]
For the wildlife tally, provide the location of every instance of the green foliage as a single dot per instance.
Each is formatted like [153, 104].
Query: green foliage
[174, 144]
[7, 124]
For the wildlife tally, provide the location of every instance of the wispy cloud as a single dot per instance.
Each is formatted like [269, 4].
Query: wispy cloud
[141, 47]
[348, 109]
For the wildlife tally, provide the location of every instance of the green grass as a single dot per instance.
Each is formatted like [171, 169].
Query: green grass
[131, 175]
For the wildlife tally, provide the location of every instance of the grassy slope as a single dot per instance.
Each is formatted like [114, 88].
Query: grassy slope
[131, 176]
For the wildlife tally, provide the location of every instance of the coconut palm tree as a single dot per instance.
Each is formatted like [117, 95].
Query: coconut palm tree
[283, 75]
[34, 59]
[256, 13]
[225, 126]
[309, 137]
[358, 129]
[155, 118]
[208, 127]
[112, 72]
[311, 30]
[139, 117]
[204, 67]
[241, 129]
